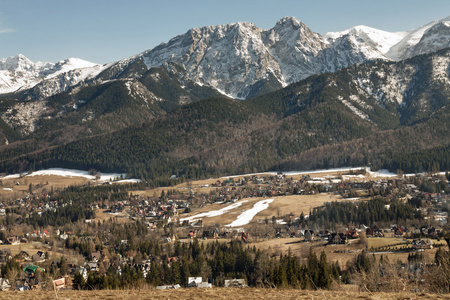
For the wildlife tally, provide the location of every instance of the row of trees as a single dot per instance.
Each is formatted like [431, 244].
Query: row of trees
[74, 204]
[216, 262]
[365, 212]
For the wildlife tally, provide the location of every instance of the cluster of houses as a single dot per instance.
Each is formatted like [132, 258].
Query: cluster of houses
[165, 210]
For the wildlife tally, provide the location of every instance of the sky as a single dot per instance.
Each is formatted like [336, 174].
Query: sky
[103, 31]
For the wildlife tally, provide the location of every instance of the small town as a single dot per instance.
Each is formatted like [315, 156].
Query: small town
[116, 235]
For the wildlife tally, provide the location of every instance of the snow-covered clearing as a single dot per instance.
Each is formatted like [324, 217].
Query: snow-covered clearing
[128, 181]
[213, 213]
[379, 173]
[248, 215]
[68, 173]
[292, 173]
[12, 176]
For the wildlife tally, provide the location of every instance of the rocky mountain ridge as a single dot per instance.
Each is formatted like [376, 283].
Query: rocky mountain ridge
[239, 60]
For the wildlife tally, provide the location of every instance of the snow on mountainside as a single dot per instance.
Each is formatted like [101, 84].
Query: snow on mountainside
[62, 80]
[435, 38]
[405, 48]
[294, 47]
[400, 45]
[378, 39]
[69, 65]
[234, 58]
[19, 73]
[413, 88]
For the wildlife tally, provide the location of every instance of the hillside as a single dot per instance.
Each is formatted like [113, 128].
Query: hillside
[364, 114]
[239, 60]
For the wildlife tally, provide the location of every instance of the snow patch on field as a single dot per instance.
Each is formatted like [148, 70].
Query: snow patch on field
[128, 181]
[248, 215]
[381, 173]
[68, 173]
[75, 173]
[293, 173]
[213, 213]
[12, 176]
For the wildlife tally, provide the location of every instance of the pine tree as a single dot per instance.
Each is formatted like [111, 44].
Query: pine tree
[363, 262]
[184, 272]
[176, 273]
[154, 278]
[313, 268]
[324, 272]
[78, 281]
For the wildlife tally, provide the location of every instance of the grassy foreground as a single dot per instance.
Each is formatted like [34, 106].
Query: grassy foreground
[216, 293]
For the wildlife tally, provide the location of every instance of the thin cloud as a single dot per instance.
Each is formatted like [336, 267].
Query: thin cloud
[6, 30]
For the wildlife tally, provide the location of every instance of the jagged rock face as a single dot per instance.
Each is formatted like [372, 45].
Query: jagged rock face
[233, 57]
[295, 49]
[227, 57]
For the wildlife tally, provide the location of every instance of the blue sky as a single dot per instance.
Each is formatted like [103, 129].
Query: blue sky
[104, 31]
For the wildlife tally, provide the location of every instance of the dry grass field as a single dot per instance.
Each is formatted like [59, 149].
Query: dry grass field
[102, 215]
[343, 254]
[216, 293]
[31, 248]
[281, 206]
[296, 204]
[17, 187]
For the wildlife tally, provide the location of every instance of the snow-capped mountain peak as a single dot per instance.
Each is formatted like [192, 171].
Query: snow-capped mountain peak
[378, 39]
[399, 45]
[18, 62]
[405, 47]
[75, 63]
[68, 65]
[237, 58]
[292, 21]
[20, 73]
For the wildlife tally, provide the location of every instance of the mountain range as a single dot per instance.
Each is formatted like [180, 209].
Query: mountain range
[235, 59]
[304, 93]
